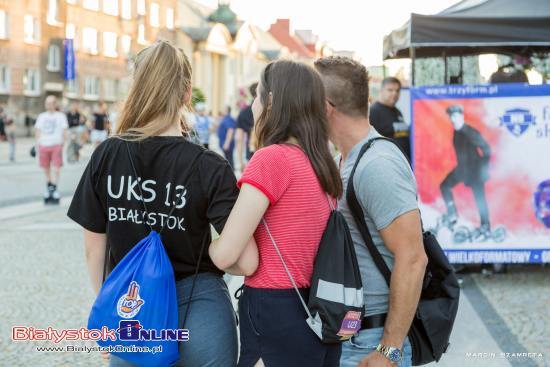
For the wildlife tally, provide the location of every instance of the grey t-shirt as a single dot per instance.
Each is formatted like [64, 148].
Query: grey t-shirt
[386, 188]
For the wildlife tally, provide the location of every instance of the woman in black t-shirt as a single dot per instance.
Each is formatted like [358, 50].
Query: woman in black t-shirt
[171, 172]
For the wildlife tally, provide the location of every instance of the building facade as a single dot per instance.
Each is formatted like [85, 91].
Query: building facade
[104, 33]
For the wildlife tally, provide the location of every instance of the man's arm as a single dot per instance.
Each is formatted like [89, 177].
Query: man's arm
[387, 192]
[403, 237]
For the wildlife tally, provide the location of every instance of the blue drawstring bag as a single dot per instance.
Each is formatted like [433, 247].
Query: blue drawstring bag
[138, 299]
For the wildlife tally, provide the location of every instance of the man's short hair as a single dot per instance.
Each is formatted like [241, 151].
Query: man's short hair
[346, 84]
[390, 80]
[455, 109]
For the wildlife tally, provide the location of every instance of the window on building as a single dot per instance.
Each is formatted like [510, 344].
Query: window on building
[127, 9]
[4, 27]
[109, 89]
[141, 34]
[141, 7]
[71, 87]
[110, 7]
[32, 29]
[4, 79]
[170, 18]
[31, 80]
[89, 40]
[154, 16]
[110, 44]
[53, 12]
[91, 87]
[91, 4]
[126, 43]
[54, 58]
[70, 31]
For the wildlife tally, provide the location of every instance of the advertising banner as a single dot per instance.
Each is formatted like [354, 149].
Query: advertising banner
[482, 163]
[69, 69]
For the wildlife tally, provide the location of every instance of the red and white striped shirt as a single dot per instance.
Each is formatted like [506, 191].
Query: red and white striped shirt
[297, 215]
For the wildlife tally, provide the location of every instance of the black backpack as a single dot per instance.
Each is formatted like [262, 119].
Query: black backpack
[436, 312]
[335, 305]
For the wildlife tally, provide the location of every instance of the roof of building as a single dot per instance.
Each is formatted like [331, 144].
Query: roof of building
[281, 32]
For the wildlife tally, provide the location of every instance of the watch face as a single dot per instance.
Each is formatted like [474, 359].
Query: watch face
[395, 355]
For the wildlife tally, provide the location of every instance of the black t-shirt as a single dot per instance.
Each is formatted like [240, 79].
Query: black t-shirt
[107, 197]
[389, 122]
[100, 120]
[245, 120]
[73, 118]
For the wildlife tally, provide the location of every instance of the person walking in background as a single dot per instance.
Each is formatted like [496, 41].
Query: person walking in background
[100, 124]
[245, 125]
[226, 134]
[77, 131]
[473, 154]
[288, 184]
[181, 181]
[8, 127]
[386, 191]
[387, 119]
[51, 133]
[203, 124]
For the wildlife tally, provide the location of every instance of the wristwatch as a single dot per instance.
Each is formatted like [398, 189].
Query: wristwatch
[391, 353]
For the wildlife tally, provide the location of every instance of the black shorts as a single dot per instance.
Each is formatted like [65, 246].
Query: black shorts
[273, 327]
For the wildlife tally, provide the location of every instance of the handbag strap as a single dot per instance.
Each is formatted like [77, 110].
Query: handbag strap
[358, 215]
[286, 269]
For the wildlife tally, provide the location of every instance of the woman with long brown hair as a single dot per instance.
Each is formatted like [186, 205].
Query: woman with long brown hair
[285, 197]
[150, 177]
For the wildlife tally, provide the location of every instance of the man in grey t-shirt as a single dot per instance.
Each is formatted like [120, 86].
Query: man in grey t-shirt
[386, 190]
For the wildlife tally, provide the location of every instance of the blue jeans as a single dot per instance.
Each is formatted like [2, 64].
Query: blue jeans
[360, 345]
[211, 323]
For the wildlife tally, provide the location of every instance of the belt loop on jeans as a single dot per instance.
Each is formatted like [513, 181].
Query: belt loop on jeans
[373, 321]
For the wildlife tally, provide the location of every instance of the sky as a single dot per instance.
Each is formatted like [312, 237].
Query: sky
[356, 25]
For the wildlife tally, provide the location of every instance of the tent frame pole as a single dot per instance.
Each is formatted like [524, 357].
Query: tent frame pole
[445, 68]
[412, 55]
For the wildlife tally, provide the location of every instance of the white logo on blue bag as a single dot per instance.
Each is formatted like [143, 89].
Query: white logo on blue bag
[130, 303]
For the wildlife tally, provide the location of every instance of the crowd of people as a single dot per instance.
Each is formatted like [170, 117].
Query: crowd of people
[285, 195]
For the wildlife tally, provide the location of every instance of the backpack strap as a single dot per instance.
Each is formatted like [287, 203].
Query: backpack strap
[358, 215]
[286, 268]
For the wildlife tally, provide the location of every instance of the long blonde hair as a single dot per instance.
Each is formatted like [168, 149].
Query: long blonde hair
[160, 89]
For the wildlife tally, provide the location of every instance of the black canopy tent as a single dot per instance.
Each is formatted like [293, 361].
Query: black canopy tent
[473, 27]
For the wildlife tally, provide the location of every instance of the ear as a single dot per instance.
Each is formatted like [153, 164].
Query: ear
[329, 108]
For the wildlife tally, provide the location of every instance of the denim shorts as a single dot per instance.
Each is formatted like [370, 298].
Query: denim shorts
[273, 327]
[211, 323]
[360, 345]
